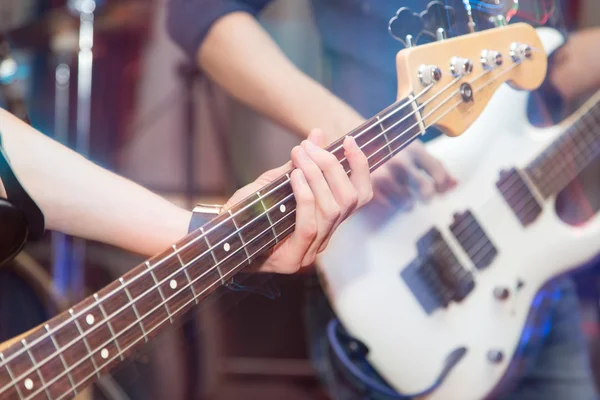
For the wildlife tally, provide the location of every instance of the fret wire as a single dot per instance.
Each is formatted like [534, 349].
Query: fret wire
[157, 286]
[135, 310]
[453, 107]
[387, 141]
[35, 366]
[109, 325]
[212, 253]
[239, 232]
[85, 342]
[62, 359]
[267, 212]
[185, 271]
[12, 378]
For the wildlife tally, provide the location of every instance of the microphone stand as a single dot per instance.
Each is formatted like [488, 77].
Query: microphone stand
[62, 47]
[71, 274]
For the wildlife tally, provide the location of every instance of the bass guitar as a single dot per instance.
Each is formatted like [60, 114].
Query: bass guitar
[442, 297]
[57, 360]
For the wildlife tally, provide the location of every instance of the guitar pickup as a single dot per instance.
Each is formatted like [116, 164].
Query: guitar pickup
[436, 276]
[474, 241]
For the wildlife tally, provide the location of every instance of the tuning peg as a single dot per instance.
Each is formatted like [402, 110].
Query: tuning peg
[498, 20]
[440, 34]
[471, 23]
[438, 16]
[406, 26]
[519, 52]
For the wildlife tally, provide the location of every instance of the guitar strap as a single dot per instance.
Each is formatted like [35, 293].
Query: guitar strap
[18, 197]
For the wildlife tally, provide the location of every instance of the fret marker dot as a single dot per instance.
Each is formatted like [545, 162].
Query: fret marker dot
[173, 284]
[282, 208]
[28, 384]
[226, 246]
[89, 319]
[104, 354]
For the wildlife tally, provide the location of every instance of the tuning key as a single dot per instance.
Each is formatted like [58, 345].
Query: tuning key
[491, 59]
[460, 66]
[440, 34]
[429, 74]
[519, 52]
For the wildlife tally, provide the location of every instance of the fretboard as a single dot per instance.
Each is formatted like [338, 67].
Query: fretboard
[568, 155]
[72, 350]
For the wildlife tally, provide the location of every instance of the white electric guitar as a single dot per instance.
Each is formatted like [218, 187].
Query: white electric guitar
[451, 285]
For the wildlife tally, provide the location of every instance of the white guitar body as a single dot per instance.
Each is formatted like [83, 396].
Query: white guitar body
[362, 265]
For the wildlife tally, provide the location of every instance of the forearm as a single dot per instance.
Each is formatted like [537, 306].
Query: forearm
[82, 199]
[241, 57]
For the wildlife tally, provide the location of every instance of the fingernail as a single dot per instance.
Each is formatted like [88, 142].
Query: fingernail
[310, 147]
[350, 143]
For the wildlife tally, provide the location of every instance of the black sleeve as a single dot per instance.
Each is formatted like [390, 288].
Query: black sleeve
[189, 21]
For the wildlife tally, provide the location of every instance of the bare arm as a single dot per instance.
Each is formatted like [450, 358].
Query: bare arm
[240, 56]
[82, 199]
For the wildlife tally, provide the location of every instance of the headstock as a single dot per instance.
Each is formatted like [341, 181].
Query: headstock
[452, 80]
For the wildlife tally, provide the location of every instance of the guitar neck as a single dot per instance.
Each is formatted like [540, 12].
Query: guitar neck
[569, 154]
[76, 347]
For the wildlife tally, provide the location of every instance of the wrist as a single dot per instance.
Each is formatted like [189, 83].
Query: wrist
[201, 214]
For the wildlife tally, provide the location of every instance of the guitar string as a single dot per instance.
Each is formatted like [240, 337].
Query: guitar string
[235, 268]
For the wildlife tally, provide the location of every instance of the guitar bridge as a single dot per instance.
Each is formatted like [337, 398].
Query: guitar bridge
[436, 277]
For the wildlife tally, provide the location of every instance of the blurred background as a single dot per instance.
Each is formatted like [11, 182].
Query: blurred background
[152, 116]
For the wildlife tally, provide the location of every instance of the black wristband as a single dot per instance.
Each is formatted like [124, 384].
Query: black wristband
[201, 214]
